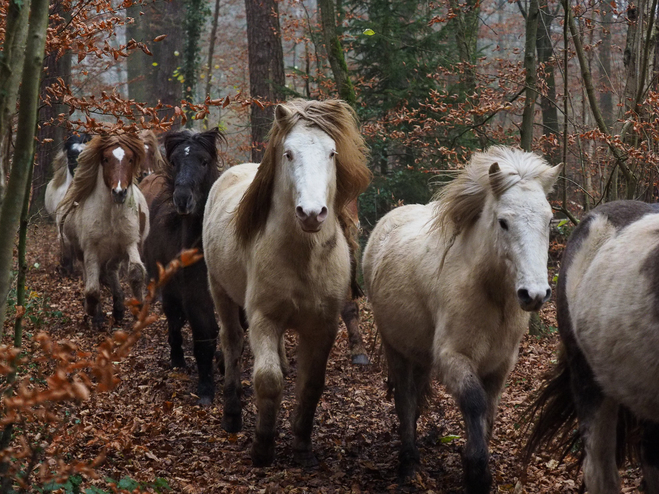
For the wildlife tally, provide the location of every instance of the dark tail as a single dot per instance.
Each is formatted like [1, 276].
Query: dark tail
[355, 290]
[557, 415]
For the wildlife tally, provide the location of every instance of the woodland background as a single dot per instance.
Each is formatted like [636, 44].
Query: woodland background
[431, 83]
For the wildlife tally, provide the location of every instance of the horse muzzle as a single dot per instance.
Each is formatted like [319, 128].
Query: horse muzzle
[119, 195]
[311, 221]
[184, 203]
[531, 300]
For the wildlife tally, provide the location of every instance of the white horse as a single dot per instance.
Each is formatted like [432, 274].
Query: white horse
[104, 218]
[275, 244]
[451, 283]
[606, 380]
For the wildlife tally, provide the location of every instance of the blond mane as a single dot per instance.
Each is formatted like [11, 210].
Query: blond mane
[339, 121]
[150, 139]
[89, 160]
[60, 168]
[460, 203]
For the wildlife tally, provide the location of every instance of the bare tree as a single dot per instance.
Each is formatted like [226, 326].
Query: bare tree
[531, 83]
[266, 67]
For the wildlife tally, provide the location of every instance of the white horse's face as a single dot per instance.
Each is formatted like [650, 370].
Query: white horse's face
[308, 164]
[520, 217]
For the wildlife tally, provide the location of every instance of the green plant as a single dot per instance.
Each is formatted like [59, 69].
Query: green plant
[73, 485]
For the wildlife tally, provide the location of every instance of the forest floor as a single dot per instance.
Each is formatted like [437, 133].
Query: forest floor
[150, 426]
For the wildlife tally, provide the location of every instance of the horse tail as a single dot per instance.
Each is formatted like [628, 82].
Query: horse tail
[556, 411]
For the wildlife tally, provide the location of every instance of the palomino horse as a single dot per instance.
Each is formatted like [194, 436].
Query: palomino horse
[103, 219]
[607, 376]
[177, 213]
[451, 284]
[64, 166]
[275, 245]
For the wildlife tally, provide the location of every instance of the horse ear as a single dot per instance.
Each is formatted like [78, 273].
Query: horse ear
[496, 178]
[282, 113]
[548, 177]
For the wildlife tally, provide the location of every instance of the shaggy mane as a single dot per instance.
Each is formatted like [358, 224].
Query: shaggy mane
[339, 121]
[150, 139]
[89, 160]
[460, 203]
[60, 167]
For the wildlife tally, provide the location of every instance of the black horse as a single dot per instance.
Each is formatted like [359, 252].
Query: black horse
[73, 147]
[177, 213]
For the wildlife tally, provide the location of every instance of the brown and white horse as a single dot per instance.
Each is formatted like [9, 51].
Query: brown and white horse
[153, 161]
[275, 244]
[103, 219]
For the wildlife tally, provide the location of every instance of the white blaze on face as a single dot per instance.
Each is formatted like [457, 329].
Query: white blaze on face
[119, 153]
[187, 151]
[78, 147]
[312, 167]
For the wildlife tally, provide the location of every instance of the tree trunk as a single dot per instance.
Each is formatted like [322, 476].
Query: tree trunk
[138, 64]
[632, 53]
[606, 91]
[24, 155]
[54, 68]
[335, 52]
[547, 101]
[195, 17]
[11, 67]
[211, 52]
[530, 80]
[266, 67]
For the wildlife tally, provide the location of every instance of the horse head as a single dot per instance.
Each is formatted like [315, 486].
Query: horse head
[153, 161]
[308, 163]
[193, 160]
[73, 147]
[519, 215]
[121, 158]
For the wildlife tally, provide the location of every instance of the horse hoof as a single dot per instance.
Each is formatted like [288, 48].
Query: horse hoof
[263, 455]
[306, 459]
[206, 400]
[477, 477]
[178, 363]
[360, 359]
[232, 423]
[118, 315]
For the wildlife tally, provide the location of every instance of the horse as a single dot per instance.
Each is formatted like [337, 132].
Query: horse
[451, 285]
[177, 213]
[275, 243]
[64, 166]
[153, 160]
[606, 380]
[104, 218]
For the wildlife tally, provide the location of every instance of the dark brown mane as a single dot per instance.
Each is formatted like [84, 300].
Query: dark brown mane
[89, 160]
[339, 121]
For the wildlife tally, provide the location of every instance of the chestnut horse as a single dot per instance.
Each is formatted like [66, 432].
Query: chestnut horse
[104, 218]
[275, 243]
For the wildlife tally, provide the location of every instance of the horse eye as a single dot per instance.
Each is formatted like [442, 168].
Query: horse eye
[503, 224]
[333, 154]
[288, 155]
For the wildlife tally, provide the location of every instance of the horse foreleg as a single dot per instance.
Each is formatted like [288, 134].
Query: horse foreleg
[459, 376]
[93, 290]
[313, 351]
[650, 457]
[350, 316]
[264, 337]
[136, 272]
[204, 333]
[493, 385]
[232, 337]
[171, 305]
[406, 399]
[112, 280]
[598, 425]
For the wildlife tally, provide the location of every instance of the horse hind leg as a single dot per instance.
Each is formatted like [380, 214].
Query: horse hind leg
[136, 272]
[175, 314]
[350, 316]
[111, 279]
[650, 457]
[313, 352]
[459, 376]
[410, 386]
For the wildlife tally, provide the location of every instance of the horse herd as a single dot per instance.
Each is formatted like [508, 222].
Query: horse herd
[451, 283]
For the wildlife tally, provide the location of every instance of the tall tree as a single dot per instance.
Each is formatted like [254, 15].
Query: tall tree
[11, 67]
[545, 53]
[195, 16]
[335, 52]
[24, 155]
[138, 64]
[530, 80]
[266, 67]
[606, 91]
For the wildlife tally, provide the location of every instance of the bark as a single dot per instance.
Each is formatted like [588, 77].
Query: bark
[335, 52]
[24, 155]
[138, 63]
[211, 51]
[11, 66]
[545, 53]
[606, 94]
[632, 52]
[530, 81]
[266, 67]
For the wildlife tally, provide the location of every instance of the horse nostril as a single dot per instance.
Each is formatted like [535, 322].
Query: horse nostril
[523, 295]
[299, 212]
[322, 215]
[547, 295]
